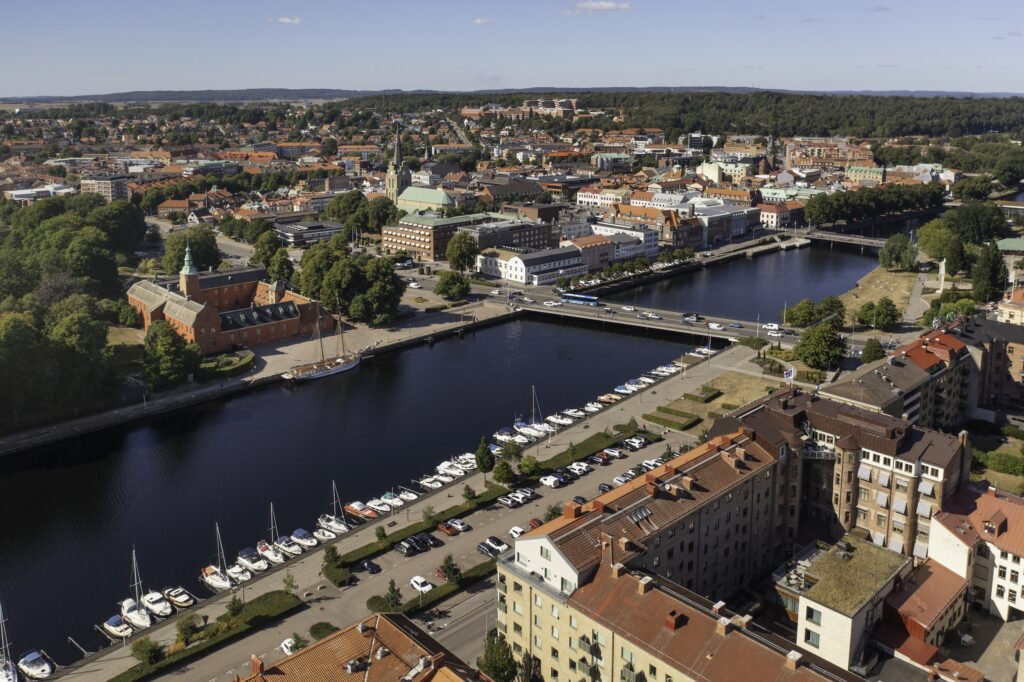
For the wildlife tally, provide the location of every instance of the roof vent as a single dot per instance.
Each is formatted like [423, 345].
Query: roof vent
[353, 666]
[381, 653]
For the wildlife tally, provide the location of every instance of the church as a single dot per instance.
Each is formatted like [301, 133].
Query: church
[222, 311]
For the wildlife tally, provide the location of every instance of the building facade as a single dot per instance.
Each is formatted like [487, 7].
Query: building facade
[108, 185]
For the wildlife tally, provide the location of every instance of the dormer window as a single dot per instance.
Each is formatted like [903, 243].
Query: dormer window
[990, 528]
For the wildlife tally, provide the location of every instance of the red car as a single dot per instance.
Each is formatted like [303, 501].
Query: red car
[447, 528]
[536, 523]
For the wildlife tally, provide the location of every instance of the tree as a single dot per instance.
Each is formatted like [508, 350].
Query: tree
[167, 358]
[484, 456]
[452, 285]
[801, 315]
[123, 224]
[266, 247]
[331, 555]
[462, 251]
[393, 597]
[429, 516]
[234, 606]
[147, 651]
[897, 253]
[872, 351]
[989, 275]
[288, 582]
[973, 189]
[529, 466]
[976, 223]
[380, 211]
[468, 493]
[830, 309]
[341, 208]
[450, 570]
[956, 257]
[866, 314]
[553, 511]
[498, 661]
[527, 668]
[512, 450]
[298, 642]
[503, 473]
[187, 627]
[381, 534]
[281, 268]
[821, 347]
[935, 238]
[328, 147]
[886, 314]
[202, 242]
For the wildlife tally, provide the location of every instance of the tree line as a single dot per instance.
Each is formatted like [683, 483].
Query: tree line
[872, 202]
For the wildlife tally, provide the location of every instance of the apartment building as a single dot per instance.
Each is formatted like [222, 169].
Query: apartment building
[979, 535]
[535, 268]
[947, 361]
[868, 471]
[108, 185]
[516, 234]
[647, 237]
[891, 385]
[624, 626]
[425, 236]
[998, 352]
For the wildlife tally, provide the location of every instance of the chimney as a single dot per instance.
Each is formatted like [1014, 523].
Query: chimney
[644, 585]
[793, 659]
[651, 477]
[741, 452]
[650, 489]
[624, 544]
[717, 608]
[688, 482]
[257, 665]
[723, 626]
[618, 570]
[597, 506]
[674, 620]
[744, 621]
[572, 510]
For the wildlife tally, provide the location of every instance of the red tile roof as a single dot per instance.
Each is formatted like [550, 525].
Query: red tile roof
[967, 512]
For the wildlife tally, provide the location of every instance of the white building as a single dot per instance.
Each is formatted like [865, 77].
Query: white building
[536, 268]
[590, 197]
[648, 236]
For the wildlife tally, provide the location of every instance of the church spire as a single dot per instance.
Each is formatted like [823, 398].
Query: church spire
[397, 161]
[188, 268]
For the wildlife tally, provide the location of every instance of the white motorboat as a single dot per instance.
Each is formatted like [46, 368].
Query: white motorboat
[378, 506]
[525, 429]
[646, 380]
[444, 478]
[35, 665]
[635, 385]
[324, 535]
[116, 628]
[288, 546]
[466, 462]
[392, 500]
[543, 427]
[559, 419]
[332, 523]
[625, 390]
[593, 407]
[671, 369]
[251, 559]
[521, 439]
[573, 412]
[179, 596]
[504, 435]
[429, 483]
[238, 573]
[304, 537]
[214, 576]
[270, 553]
[408, 495]
[449, 469]
[134, 614]
[156, 604]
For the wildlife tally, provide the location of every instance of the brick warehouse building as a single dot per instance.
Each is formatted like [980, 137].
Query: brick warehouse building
[224, 310]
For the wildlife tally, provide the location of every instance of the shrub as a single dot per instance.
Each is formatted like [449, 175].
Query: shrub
[338, 574]
[1011, 431]
[677, 424]
[706, 395]
[672, 411]
[754, 342]
[321, 630]
[147, 651]
[378, 604]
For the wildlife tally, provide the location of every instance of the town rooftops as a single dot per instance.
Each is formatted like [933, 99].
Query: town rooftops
[691, 635]
[931, 349]
[257, 315]
[548, 256]
[438, 221]
[380, 648]
[845, 581]
[303, 227]
[878, 383]
[590, 241]
[927, 593]
[427, 195]
[978, 513]
[153, 297]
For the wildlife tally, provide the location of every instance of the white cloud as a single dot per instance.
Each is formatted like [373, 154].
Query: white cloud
[284, 20]
[590, 6]
[481, 21]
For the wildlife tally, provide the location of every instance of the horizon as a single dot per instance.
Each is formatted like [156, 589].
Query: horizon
[461, 46]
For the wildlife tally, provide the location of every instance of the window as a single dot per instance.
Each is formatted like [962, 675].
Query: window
[652, 671]
[814, 615]
[1012, 595]
[626, 655]
[573, 623]
[1014, 577]
[554, 632]
[879, 519]
[536, 620]
[1002, 572]
[901, 485]
[813, 638]
[545, 553]
[517, 628]
[554, 653]
[537, 642]
[537, 601]
[517, 588]
[1000, 591]
[863, 493]
[566, 586]
[517, 607]
[554, 611]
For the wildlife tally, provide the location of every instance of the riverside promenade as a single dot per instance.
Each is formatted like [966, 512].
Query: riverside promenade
[341, 606]
[272, 360]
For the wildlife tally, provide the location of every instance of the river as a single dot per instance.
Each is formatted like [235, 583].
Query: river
[73, 512]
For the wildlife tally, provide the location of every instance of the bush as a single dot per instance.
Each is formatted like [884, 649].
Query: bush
[321, 630]
[706, 395]
[755, 342]
[338, 574]
[672, 411]
[1011, 431]
[378, 604]
[147, 651]
[677, 424]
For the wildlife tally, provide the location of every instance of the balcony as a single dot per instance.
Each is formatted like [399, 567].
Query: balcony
[502, 587]
[819, 452]
[502, 605]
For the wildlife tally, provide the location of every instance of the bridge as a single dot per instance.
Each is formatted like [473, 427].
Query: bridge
[841, 238]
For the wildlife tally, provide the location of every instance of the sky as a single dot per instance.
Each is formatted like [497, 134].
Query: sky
[69, 47]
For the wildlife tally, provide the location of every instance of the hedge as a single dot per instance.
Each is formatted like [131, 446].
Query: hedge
[672, 411]
[729, 407]
[255, 614]
[673, 423]
[754, 342]
[440, 592]
[706, 395]
[1003, 462]
[214, 369]
[321, 630]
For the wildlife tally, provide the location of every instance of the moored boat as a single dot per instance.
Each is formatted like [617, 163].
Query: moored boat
[324, 535]
[214, 576]
[288, 546]
[179, 596]
[116, 628]
[134, 614]
[270, 553]
[35, 665]
[378, 506]
[444, 478]
[429, 483]
[251, 559]
[392, 500]
[573, 412]
[326, 367]
[304, 537]
[360, 509]
[238, 573]
[332, 523]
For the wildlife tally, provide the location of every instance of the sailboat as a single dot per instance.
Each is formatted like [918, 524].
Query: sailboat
[283, 543]
[538, 424]
[326, 366]
[332, 522]
[131, 608]
[214, 576]
[266, 548]
[8, 673]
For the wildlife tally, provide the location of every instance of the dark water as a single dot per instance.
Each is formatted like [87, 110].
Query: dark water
[71, 519]
[71, 514]
[745, 288]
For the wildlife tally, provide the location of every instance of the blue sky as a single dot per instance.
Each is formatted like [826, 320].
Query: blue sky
[69, 47]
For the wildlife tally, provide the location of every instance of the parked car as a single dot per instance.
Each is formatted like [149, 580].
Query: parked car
[567, 474]
[515, 531]
[775, 334]
[595, 460]
[369, 567]
[508, 501]
[528, 492]
[579, 499]
[415, 285]
[447, 528]
[614, 452]
[421, 584]
[429, 539]
[604, 487]
[487, 550]
[519, 497]
[550, 481]
[496, 544]
[405, 548]
[459, 525]
[619, 480]
[417, 543]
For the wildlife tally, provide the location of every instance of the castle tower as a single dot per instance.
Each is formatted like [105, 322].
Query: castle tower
[398, 176]
[188, 278]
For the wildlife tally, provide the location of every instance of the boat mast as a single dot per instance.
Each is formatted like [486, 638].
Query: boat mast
[319, 336]
[273, 525]
[221, 562]
[136, 578]
[6, 662]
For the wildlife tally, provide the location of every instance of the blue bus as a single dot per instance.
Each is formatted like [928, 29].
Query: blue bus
[580, 299]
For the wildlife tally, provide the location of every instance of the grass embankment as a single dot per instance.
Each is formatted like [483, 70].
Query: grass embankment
[379, 604]
[256, 613]
[876, 285]
[722, 395]
[226, 364]
[999, 458]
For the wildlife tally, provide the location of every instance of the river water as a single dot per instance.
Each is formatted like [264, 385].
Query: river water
[72, 513]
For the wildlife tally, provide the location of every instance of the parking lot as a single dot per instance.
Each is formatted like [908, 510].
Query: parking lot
[994, 646]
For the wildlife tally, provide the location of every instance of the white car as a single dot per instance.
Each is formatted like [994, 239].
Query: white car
[628, 309]
[496, 544]
[459, 525]
[415, 285]
[508, 501]
[580, 468]
[717, 326]
[519, 497]
[421, 584]
[288, 646]
[775, 334]
[652, 316]
[549, 481]
[552, 304]
[528, 492]
[527, 299]
[614, 452]
[515, 531]
[495, 292]
[619, 480]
